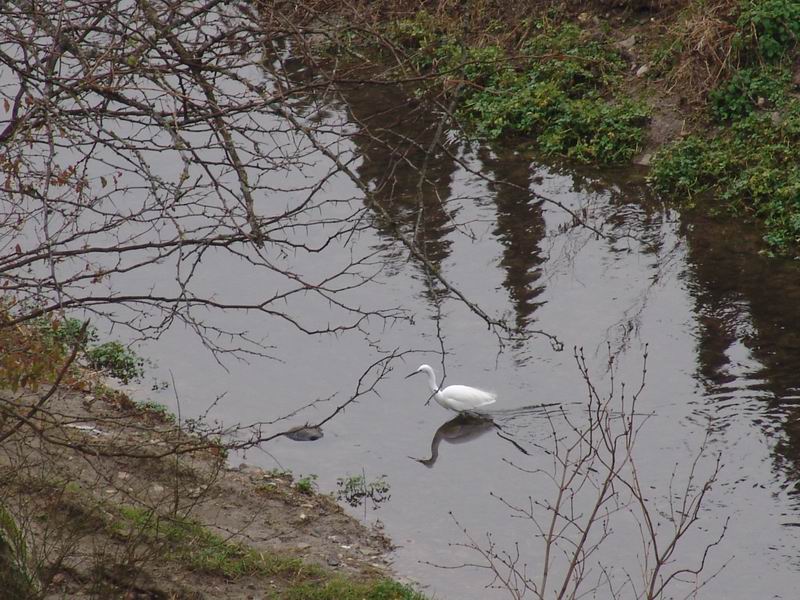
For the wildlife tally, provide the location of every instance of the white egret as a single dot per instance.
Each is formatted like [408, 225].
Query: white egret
[456, 397]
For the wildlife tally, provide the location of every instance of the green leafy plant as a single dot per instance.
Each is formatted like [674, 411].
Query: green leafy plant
[555, 91]
[112, 357]
[66, 331]
[157, 409]
[771, 27]
[116, 360]
[751, 168]
[307, 484]
[739, 96]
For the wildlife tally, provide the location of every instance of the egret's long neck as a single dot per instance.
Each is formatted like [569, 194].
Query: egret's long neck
[432, 381]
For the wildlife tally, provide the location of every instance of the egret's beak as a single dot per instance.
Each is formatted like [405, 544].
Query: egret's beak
[410, 374]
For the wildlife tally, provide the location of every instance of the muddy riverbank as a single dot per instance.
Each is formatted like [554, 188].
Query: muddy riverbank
[113, 500]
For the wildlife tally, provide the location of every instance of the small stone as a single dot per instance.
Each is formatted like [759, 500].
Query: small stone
[123, 475]
[644, 159]
[583, 17]
[303, 546]
[642, 71]
[334, 561]
[627, 43]
[303, 516]
[157, 489]
[58, 579]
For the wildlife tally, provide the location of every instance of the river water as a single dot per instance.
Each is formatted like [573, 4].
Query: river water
[719, 321]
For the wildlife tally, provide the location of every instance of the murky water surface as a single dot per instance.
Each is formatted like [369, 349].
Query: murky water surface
[721, 324]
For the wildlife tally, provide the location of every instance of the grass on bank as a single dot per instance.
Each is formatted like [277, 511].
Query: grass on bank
[31, 357]
[191, 544]
[16, 578]
[561, 88]
[747, 164]
[751, 168]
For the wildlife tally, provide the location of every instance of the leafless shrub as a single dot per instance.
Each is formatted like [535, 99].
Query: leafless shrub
[597, 489]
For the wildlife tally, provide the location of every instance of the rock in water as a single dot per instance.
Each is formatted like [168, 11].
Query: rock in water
[304, 434]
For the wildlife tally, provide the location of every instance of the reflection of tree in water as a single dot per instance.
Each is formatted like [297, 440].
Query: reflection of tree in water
[394, 137]
[520, 228]
[629, 212]
[634, 221]
[743, 298]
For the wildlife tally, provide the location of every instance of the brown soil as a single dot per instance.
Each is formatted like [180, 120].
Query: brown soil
[88, 457]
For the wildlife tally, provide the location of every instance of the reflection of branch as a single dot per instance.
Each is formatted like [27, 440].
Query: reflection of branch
[394, 226]
[577, 220]
[383, 366]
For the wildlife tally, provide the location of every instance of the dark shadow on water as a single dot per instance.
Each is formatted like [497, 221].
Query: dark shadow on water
[520, 227]
[747, 308]
[468, 426]
[461, 429]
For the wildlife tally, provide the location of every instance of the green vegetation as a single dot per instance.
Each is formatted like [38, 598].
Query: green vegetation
[16, 579]
[769, 28]
[116, 360]
[111, 358]
[345, 589]
[747, 88]
[193, 545]
[562, 84]
[749, 163]
[158, 410]
[307, 484]
[562, 88]
[753, 167]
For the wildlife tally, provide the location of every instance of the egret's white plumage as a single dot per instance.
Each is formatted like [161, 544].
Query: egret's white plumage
[456, 397]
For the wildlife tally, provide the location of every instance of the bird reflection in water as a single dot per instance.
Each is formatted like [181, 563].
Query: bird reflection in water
[470, 425]
[463, 428]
